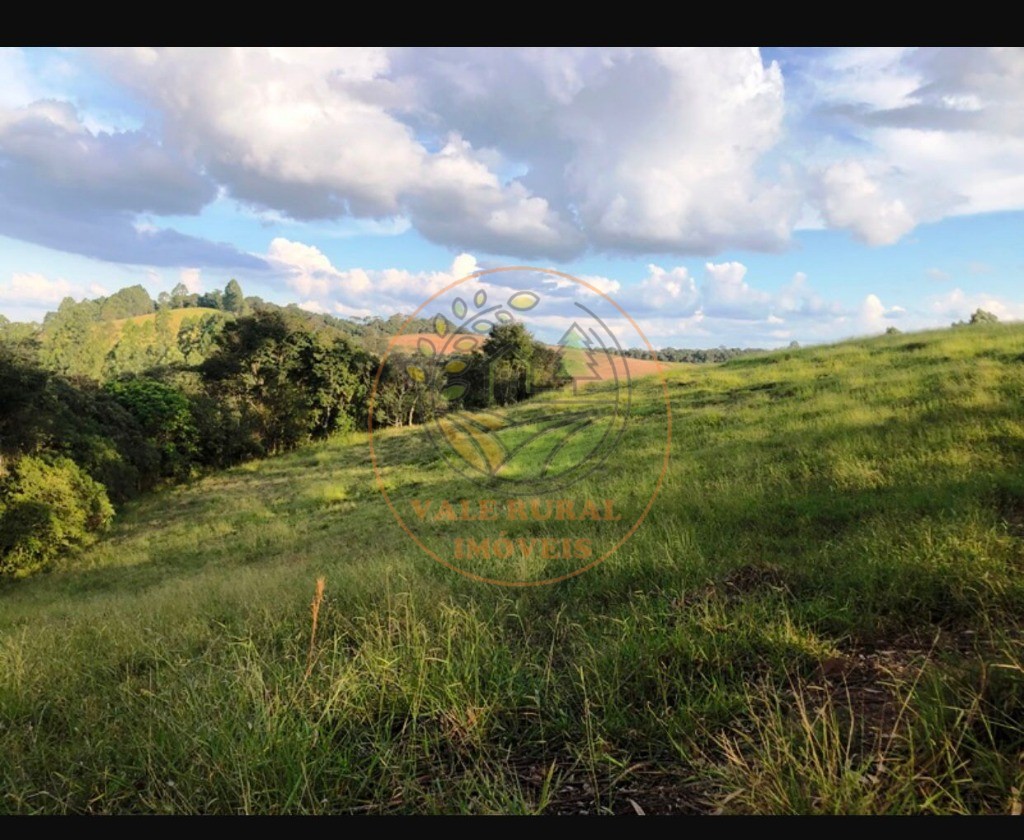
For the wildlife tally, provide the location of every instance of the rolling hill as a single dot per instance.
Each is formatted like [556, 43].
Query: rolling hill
[822, 613]
[409, 343]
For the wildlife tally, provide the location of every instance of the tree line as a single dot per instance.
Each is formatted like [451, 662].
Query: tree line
[110, 398]
[74, 446]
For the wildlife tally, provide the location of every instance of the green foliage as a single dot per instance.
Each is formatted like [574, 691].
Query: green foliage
[16, 332]
[285, 384]
[979, 316]
[713, 355]
[822, 613]
[212, 300]
[165, 416]
[22, 382]
[403, 399]
[126, 303]
[233, 300]
[510, 366]
[197, 338]
[47, 507]
[73, 341]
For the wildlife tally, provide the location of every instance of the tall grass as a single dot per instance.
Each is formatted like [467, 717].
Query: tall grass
[821, 614]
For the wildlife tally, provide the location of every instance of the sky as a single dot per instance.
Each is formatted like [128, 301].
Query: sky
[737, 197]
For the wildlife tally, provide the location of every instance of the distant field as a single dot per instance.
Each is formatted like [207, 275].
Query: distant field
[176, 319]
[823, 613]
[636, 367]
[111, 331]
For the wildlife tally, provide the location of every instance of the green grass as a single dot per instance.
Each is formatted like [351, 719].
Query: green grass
[822, 614]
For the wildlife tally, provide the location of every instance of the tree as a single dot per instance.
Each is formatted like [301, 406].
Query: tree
[507, 353]
[196, 337]
[212, 300]
[126, 303]
[234, 300]
[284, 383]
[22, 383]
[179, 296]
[982, 316]
[164, 350]
[165, 416]
[892, 331]
[73, 342]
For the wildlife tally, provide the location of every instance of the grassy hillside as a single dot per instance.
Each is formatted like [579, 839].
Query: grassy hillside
[111, 332]
[176, 318]
[823, 613]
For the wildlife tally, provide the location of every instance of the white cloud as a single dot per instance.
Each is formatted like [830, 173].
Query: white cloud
[312, 134]
[853, 199]
[938, 275]
[356, 291]
[632, 149]
[958, 305]
[920, 134]
[68, 186]
[18, 87]
[673, 289]
[35, 288]
[545, 152]
[192, 280]
[872, 308]
[726, 294]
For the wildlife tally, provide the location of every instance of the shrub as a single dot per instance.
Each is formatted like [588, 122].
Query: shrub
[46, 508]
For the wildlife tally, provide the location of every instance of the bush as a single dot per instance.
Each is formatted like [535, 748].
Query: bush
[47, 508]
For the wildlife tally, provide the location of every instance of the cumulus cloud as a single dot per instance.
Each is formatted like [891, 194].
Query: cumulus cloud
[727, 295]
[67, 187]
[958, 305]
[673, 289]
[312, 134]
[532, 153]
[521, 152]
[875, 316]
[34, 289]
[850, 198]
[922, 134]
[356, 291]
[192, 280]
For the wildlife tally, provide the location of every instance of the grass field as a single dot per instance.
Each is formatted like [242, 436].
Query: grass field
[824, 613]
[175, 318]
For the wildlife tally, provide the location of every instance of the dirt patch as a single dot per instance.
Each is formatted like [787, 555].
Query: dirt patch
[738, 583]
[645, 792]
[755, 577]
[868, 682]
[863, 686]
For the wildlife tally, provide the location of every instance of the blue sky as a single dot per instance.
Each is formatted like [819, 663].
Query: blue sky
[737, 197]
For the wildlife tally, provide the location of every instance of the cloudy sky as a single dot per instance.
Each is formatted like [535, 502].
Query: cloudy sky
[723, 196]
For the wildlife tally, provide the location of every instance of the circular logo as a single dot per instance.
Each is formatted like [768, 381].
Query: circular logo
[512, 390]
